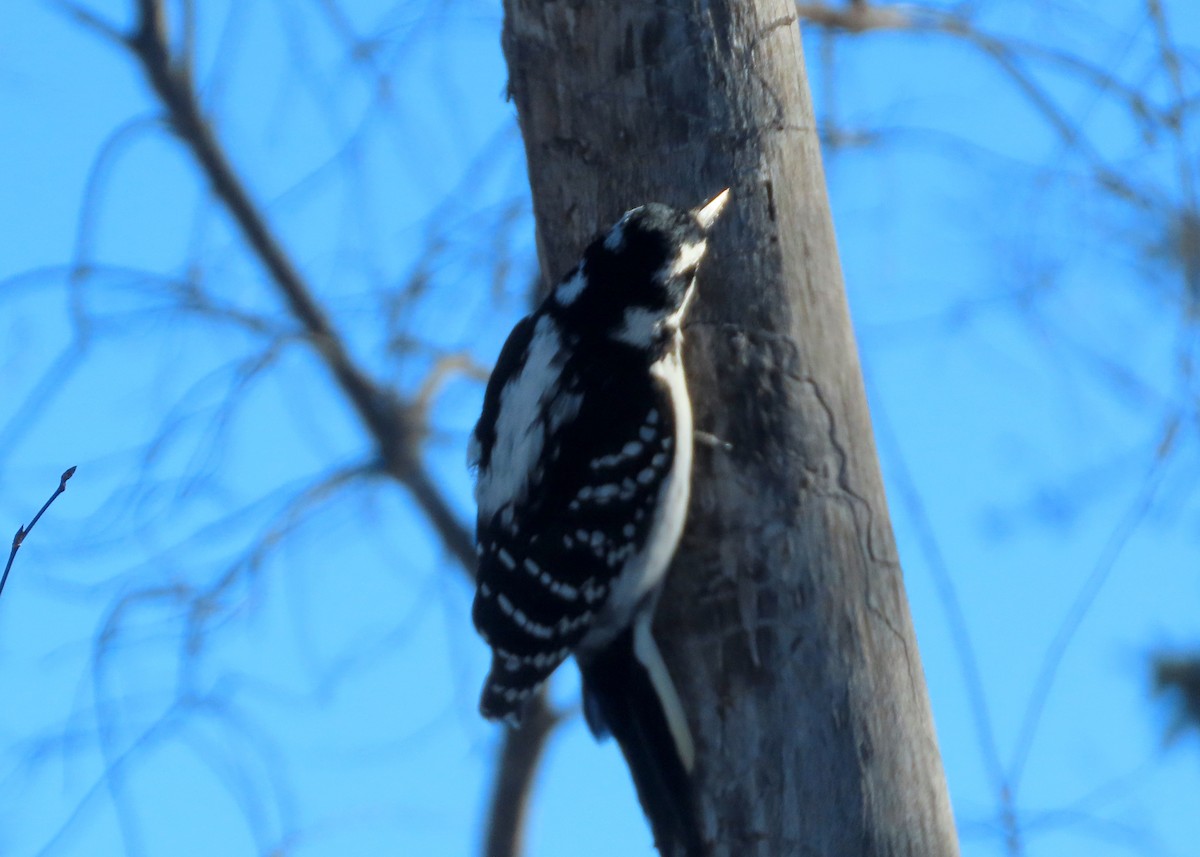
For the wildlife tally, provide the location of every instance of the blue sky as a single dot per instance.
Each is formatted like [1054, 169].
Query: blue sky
[1021, 333]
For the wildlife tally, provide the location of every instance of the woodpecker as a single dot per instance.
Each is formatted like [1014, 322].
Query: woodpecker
[583, 459]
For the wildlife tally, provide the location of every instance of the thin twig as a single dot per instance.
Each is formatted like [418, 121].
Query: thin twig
[22, 532]
[391, 422]
[89, 20]
[1008, 55]
[855, 18]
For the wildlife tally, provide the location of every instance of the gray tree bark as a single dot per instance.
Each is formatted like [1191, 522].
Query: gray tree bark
[785, 622]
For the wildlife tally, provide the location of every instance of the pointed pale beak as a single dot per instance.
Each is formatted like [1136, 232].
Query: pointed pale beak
[707, 214]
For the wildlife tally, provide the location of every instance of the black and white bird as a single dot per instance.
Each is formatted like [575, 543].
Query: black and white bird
[583, 459]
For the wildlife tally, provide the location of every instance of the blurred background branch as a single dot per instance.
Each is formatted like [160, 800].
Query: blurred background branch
[258, 261]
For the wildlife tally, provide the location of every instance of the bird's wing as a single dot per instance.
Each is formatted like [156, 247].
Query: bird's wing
[550, 555]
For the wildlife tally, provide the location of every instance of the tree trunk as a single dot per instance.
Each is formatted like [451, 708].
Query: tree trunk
[785, 622]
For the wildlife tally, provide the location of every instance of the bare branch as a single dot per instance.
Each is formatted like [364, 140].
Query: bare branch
[391, 422]
[512, 788]
[147, 740]
[1007, 54]
[457, 539]
[22, 532]
[943, 580]
[1118, 539]
[858, 17]
[89, 20]
[443, 371]
[1178, 677]
[394, 425]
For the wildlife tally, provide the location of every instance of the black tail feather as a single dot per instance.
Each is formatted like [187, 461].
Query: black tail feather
[625, 696]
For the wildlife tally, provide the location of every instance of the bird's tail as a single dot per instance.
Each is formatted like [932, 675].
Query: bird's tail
[628, 693]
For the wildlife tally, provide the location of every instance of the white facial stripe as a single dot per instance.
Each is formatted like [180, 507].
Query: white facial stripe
[676, 318]
[689, 256]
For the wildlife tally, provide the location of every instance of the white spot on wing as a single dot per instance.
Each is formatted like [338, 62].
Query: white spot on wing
[593, 591]
[605, 493]
[640, 327]
[628, 488]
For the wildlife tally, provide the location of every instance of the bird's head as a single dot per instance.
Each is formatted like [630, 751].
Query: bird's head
[634, 282]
